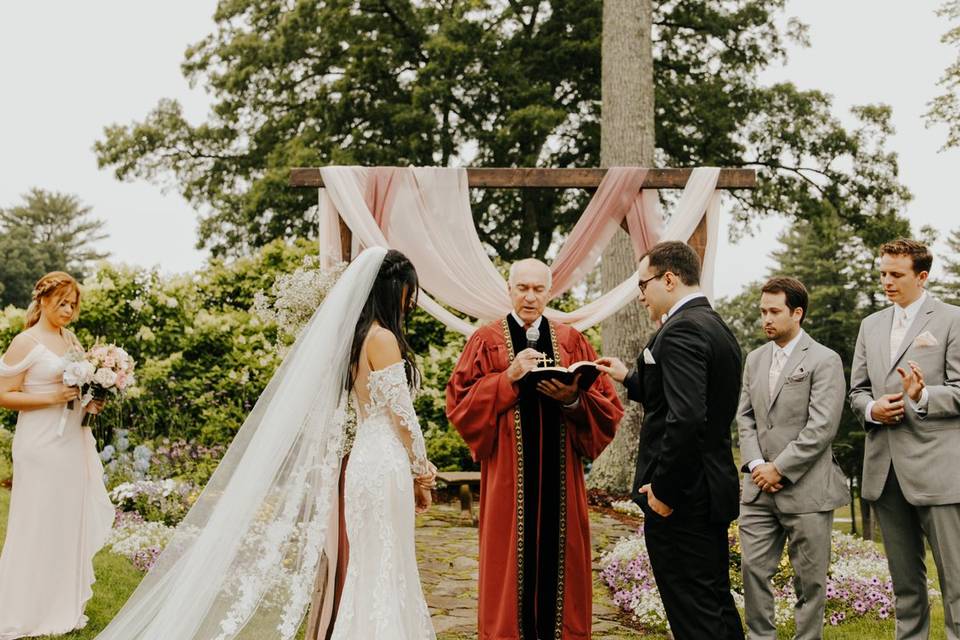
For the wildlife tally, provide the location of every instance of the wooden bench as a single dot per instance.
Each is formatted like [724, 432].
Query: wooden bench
[465, 481]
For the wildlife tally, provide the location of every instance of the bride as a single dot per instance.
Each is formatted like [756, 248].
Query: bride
[245, 560]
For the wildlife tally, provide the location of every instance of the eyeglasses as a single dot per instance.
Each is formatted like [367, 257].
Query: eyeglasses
[644, 283]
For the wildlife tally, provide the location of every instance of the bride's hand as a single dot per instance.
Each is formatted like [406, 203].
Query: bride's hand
[423, 498]
[427, 480]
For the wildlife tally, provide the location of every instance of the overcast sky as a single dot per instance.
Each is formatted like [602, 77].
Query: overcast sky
[67, 69]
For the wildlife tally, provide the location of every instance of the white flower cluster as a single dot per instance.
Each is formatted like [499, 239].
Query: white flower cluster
[132, 535]
[643, 600]
[294, 297]
[627, 507]
[152, 488]
[78, 373]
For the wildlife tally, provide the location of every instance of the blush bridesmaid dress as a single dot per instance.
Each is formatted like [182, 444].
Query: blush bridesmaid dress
[60, 512]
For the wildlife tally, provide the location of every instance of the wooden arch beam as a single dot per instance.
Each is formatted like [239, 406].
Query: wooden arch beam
[540, 178]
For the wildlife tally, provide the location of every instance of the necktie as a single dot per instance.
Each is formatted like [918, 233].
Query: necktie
[897, 332]
[776, 367]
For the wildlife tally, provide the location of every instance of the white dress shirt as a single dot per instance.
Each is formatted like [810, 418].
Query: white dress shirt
[536, 323]
[786, 350]
[906, 315]
[682, 301]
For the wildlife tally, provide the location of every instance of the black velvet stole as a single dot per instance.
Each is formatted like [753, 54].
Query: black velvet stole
[542, 450]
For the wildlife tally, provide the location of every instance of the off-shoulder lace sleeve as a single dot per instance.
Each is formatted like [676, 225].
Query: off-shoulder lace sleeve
[388, 388]
[10, 370]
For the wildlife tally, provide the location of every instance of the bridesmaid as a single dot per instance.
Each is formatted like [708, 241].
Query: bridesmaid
[60, 513]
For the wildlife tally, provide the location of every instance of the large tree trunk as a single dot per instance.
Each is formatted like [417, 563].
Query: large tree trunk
[626, 138]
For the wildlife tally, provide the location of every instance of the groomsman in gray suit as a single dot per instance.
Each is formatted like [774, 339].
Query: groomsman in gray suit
[905, 386]
[790, 405]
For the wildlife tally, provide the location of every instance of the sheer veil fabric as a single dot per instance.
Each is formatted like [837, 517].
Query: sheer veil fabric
[243, 562]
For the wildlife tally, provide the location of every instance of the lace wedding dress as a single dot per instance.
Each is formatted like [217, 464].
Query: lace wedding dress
[244, 563]
[382, 597]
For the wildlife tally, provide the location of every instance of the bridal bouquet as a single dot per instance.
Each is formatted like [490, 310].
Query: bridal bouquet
[105, 369]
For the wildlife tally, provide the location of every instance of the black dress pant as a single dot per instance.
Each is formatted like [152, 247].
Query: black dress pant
[690, 560]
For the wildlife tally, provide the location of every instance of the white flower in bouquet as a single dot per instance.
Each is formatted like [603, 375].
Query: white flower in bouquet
[105, 377]
[78, 374]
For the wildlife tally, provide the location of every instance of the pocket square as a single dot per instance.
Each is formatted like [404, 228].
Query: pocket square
[798, 374]
[925, 339]
[648, 357]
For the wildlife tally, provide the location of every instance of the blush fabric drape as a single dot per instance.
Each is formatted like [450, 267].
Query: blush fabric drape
[425, 213]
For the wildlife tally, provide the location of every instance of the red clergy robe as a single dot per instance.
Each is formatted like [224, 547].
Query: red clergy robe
[482, 403]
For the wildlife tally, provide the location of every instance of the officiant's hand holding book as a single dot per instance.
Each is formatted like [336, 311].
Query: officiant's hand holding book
[583, 373]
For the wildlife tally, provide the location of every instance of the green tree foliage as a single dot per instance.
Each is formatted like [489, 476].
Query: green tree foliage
[947, 287]
[487, 83]
[945, 108]
[48, 231]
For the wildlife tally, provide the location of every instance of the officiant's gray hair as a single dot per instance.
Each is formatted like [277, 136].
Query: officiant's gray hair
[513, 269]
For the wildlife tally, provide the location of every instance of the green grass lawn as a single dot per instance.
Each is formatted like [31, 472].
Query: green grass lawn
[117, 578]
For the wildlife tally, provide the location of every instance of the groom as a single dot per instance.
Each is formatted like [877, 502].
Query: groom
[688, 380]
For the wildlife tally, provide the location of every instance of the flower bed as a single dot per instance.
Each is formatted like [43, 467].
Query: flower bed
[858, 582]
[139, 540]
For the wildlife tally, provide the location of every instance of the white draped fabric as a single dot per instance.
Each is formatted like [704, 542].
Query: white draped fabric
[425, 213]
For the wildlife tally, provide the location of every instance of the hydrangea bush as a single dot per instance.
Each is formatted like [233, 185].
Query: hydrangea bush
[138, 540]
[858, 582]
[165, 501]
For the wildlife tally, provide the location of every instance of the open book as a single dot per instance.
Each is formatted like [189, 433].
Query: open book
[588, 373]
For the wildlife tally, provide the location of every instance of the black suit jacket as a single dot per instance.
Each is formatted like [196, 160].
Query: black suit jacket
[689, 398]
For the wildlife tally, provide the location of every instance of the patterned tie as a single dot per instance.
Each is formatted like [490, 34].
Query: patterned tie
[776, 367]
[897, 332]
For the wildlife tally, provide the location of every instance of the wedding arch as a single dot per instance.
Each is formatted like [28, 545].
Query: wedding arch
[425, 213]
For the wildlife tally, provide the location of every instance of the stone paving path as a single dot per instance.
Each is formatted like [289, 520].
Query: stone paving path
[447, 553]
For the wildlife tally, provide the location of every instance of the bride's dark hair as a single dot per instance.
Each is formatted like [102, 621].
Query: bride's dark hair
[390, 306]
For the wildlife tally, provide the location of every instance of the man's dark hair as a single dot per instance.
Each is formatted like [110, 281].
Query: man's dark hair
[919, 253]
[677, 258]
[792, 289]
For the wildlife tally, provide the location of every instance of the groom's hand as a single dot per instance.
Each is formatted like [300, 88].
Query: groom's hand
[659, 507]
[613, 367]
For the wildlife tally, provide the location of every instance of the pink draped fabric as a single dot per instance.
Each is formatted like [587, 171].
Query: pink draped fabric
[425, 212]
[620, 195]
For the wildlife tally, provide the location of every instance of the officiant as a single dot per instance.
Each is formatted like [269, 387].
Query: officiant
[530, 438]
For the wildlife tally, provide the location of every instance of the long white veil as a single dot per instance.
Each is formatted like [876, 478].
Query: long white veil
[242, 564]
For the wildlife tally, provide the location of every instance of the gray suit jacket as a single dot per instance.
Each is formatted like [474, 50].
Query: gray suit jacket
[795, 429]
[924, 449]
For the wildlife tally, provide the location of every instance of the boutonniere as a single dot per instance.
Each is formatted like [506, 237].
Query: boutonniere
[925, 339]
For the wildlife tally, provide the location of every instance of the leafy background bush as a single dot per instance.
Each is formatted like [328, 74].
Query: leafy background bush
[207, 343]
